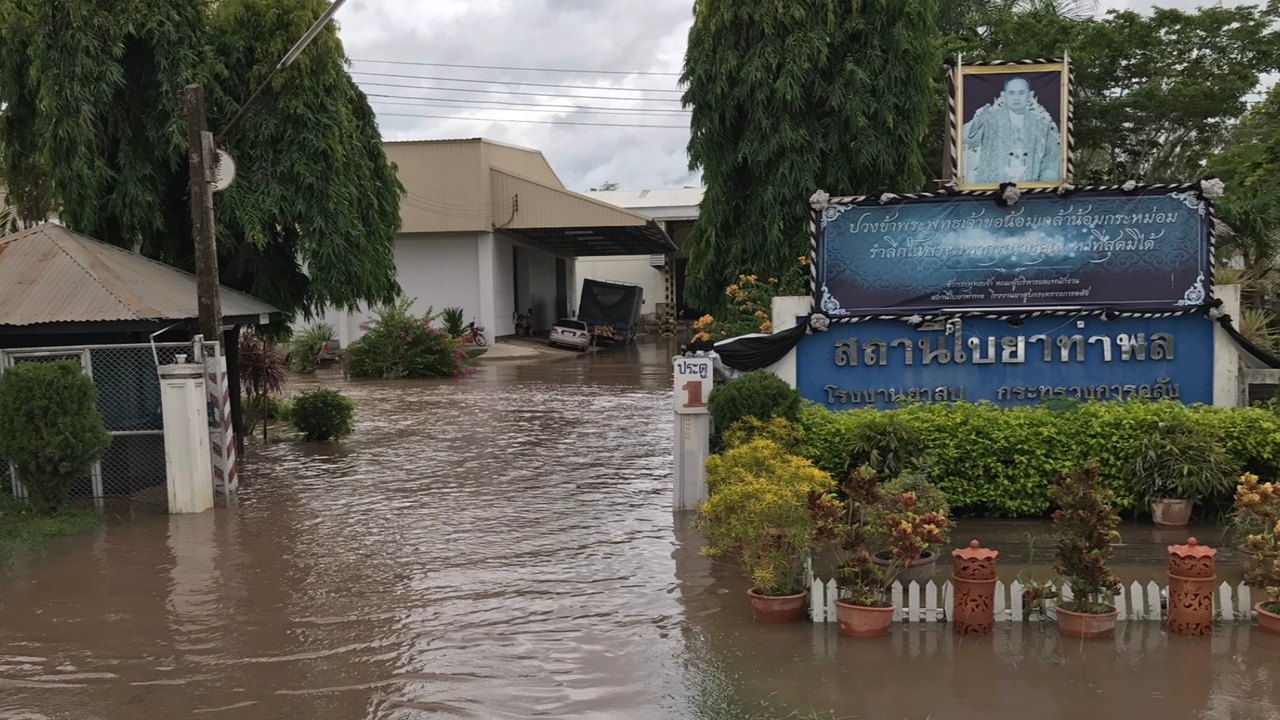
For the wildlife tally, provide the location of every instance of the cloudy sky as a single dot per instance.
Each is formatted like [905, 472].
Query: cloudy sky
[610, 111]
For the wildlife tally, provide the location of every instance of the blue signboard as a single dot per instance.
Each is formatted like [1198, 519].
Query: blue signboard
[1142, 251]
[878, 363]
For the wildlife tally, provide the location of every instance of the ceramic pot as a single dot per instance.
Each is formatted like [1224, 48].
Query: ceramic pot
[1171, 513]
[777, 609]
[1268, 622]
[920, 571]
[1086, 625]
[1246, 559]
[864, 622]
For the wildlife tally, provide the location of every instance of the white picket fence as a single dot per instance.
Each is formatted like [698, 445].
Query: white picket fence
[931, 602]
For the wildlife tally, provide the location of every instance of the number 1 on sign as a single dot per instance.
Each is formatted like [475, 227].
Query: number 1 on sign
[693, 394]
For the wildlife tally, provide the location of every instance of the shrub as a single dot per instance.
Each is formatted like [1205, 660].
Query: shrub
[759, 394]
[305, 347]
[1259, 503]
[886, 442]
[453, 321]
[323, 414]
[262, 375]
[786, 434]
[1086, 526]
[1000, 461]
[50, 428]
[398, 345]
[928, 499]
[748, 304]
[767, 509]
[1182, 459]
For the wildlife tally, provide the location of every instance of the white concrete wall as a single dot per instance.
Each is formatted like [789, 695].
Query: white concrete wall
[504, 292]
[785, 310]
[440, 270]
[631, 269]
[1226, 354]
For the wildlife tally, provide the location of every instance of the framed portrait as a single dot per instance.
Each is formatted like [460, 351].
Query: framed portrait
[1011, 122]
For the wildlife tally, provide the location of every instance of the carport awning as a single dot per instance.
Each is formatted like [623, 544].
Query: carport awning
[570, 224]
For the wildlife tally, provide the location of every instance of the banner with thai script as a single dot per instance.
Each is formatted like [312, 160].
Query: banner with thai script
[879, 363]
[1147, 251]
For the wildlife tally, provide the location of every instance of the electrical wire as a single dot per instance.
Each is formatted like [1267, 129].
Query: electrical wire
[533, 122]
[518, 69]
[561, 96]
[549, 107]
[472, 81]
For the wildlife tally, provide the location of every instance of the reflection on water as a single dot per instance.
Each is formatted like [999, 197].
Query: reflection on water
[503, 547]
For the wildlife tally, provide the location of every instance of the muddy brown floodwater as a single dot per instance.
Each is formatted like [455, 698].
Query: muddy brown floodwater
[503, 547]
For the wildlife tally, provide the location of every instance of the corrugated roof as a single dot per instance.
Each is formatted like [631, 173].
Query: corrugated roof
[641, 199]
[49, 274]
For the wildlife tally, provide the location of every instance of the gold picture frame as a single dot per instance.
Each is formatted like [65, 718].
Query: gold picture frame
[975, 81]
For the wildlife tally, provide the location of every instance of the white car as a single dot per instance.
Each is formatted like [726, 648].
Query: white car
[570, 333]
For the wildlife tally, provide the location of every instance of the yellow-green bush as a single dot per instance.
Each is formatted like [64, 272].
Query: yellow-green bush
[1000, 461]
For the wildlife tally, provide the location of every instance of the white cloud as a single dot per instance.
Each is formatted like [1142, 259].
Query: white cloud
[609, 35]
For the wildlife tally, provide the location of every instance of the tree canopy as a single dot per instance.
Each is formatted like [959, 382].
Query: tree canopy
[789, 96]
[93, 130]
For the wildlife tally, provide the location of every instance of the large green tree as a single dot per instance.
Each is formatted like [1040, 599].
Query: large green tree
[1156, 94]
[789, 96]
[93, 130]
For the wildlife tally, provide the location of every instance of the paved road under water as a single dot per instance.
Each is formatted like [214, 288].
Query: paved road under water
[503, 547]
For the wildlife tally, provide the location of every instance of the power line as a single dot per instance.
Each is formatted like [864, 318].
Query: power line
[520, 69]
[522, 107]
[535, 122]
[515, 82]
[560, 96]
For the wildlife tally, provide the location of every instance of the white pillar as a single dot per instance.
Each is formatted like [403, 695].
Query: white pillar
[186, 437]
[693, 380]
[1226, 355]
[785, 310]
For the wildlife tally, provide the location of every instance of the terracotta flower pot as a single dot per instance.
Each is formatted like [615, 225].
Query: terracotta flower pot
[1086, 625]
[1268, 622]
[920, 571]
[777, 608]
[1171, 513]
[864, 622]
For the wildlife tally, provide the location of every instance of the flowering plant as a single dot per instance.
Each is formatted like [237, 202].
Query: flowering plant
[397, 344]
[750, 302]
[1260, 503]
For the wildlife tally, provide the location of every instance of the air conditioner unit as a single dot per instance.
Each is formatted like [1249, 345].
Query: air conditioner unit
[657, 261]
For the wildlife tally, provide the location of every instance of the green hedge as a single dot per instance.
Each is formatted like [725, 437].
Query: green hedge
[999, 461]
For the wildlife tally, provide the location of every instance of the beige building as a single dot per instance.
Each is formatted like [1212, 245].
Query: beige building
[661, 276]
[489, 228]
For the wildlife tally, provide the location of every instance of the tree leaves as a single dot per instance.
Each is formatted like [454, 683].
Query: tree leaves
[789, 97]
[93, 130]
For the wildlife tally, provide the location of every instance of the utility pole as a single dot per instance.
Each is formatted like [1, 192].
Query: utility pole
[203, 162]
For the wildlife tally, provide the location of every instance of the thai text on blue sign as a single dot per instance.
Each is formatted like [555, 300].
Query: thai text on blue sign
[880, 363]
[1146, 251]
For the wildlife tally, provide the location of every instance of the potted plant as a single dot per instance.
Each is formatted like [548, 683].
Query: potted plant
[1262, 501]
[1178, 465]
[1249, 517]
[767, 510]
[1085, 522]
[863, 608]
[929, 499]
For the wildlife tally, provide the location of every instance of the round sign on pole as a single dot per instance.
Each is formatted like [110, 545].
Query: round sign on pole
[224, 172]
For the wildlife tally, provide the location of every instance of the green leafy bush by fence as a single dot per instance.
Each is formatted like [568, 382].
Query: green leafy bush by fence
[396, 345]
[323, 414]
[1001, 461]
[50, 428]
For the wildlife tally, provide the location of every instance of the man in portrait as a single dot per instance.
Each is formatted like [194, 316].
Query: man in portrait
[1012, 139]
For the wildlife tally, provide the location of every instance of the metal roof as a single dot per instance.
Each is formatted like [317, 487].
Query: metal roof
[689, 197]
[49, 274]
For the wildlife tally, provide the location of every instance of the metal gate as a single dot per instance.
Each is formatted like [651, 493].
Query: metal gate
[133, 465]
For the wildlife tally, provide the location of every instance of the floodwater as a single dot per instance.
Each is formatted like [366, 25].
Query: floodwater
[504, 547]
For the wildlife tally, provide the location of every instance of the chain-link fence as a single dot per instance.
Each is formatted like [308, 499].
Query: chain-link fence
[128, 385]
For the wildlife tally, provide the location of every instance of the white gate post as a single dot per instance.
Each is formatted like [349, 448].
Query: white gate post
[188, 472]
[693, 379]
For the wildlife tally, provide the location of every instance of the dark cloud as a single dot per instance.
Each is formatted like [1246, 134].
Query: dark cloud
[609, 35]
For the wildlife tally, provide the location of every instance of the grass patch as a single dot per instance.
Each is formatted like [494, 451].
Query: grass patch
[20, 526]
